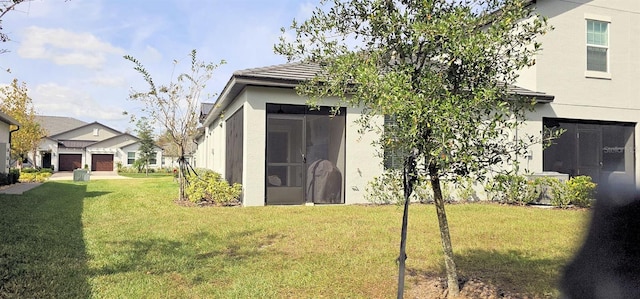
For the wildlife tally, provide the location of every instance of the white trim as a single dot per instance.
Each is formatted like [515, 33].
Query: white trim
[597, 75]
[589, 16]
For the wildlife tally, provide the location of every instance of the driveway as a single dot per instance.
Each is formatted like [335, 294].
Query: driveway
[94, 175]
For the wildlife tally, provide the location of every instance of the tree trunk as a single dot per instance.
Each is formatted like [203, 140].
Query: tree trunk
[181, 171]
[181, 182]
[450, 265]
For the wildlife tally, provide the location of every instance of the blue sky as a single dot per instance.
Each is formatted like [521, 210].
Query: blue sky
[69, 53]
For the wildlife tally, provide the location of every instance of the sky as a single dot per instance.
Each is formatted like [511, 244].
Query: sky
[70, 53]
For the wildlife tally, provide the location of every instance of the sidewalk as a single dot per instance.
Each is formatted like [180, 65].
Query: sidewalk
[94, 175]
[18, 188]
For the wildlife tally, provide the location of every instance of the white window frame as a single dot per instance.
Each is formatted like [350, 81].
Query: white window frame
[134, 157]
[603, 19]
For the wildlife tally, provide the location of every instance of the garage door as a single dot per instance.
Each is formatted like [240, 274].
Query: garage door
[69, 162]
[102, 162]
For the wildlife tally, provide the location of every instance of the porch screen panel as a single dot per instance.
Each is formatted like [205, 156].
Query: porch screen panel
[234, 148]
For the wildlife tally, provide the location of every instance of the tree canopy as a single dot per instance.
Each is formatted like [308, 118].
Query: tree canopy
[147, 144]
[17, 104]
[439, 69]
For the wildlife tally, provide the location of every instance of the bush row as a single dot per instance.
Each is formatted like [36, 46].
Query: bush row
[9, 178]
[512, 189]
[578, 191]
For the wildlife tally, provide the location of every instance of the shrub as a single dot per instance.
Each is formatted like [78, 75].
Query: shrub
[13, 176]
[386, 189]
[209, 186]
[4, 179]
[510, 188]
[30, 177]
[28, 170]
[555, 190]
[45, 170]
[389, 189]
[581, 191]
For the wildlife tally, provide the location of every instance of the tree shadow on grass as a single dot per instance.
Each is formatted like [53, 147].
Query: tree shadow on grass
[512, 271]
[197, 258]
[42, 250]
[510, 274]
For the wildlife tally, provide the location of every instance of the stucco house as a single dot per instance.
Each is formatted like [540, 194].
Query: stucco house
[71, 144]
[590, 63]
[6, 122]
[261, 134]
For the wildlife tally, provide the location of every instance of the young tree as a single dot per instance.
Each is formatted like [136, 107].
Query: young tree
[175, 105]
[147, 145]
[17, 104]
[440, 69]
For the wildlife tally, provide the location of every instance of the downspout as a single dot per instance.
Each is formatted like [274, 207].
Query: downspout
[17, 128]
[10, 132]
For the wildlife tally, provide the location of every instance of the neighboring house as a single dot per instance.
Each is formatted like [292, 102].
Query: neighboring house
[262, 135]
[5, 140]
[590, 62]
[71, 144]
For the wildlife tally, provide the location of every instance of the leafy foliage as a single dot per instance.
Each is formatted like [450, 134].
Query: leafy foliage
[209, 186]
[581, 189]
[175, 105]
[441, 68]
[511, 188]
[147, 145]
[17, 104]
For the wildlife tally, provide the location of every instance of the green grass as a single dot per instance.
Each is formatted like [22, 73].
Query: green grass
[128, 239]
[160, 174]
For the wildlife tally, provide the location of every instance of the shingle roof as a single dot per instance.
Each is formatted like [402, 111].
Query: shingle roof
[205, 108]
[291, 74]
[297, 72]
[294, 71]
[58, 124]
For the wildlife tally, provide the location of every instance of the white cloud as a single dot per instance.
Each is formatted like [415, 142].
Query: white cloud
[54, 99]
[109, 81]
[65, 47]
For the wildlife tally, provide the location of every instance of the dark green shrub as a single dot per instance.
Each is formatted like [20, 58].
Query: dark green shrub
[28, 170]
[13, 176]
[209, 186]
[4, 179]
[45, 170]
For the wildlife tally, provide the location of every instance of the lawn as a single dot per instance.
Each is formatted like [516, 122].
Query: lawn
[128, 239]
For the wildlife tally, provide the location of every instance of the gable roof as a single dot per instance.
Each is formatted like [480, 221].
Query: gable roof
[134, 139]
[55, 125]
[86, 125]
[8, 119]
[289, 75]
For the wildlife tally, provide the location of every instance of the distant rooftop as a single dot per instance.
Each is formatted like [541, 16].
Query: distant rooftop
[58, 124]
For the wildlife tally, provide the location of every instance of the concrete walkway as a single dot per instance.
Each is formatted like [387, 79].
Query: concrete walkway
[94, 175]
[19, 188]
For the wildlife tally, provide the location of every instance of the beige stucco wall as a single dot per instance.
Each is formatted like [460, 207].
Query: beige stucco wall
[87, 133]
[4, 146]
[561, 68]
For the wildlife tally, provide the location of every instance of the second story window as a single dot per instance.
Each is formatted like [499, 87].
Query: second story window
[597, 46]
